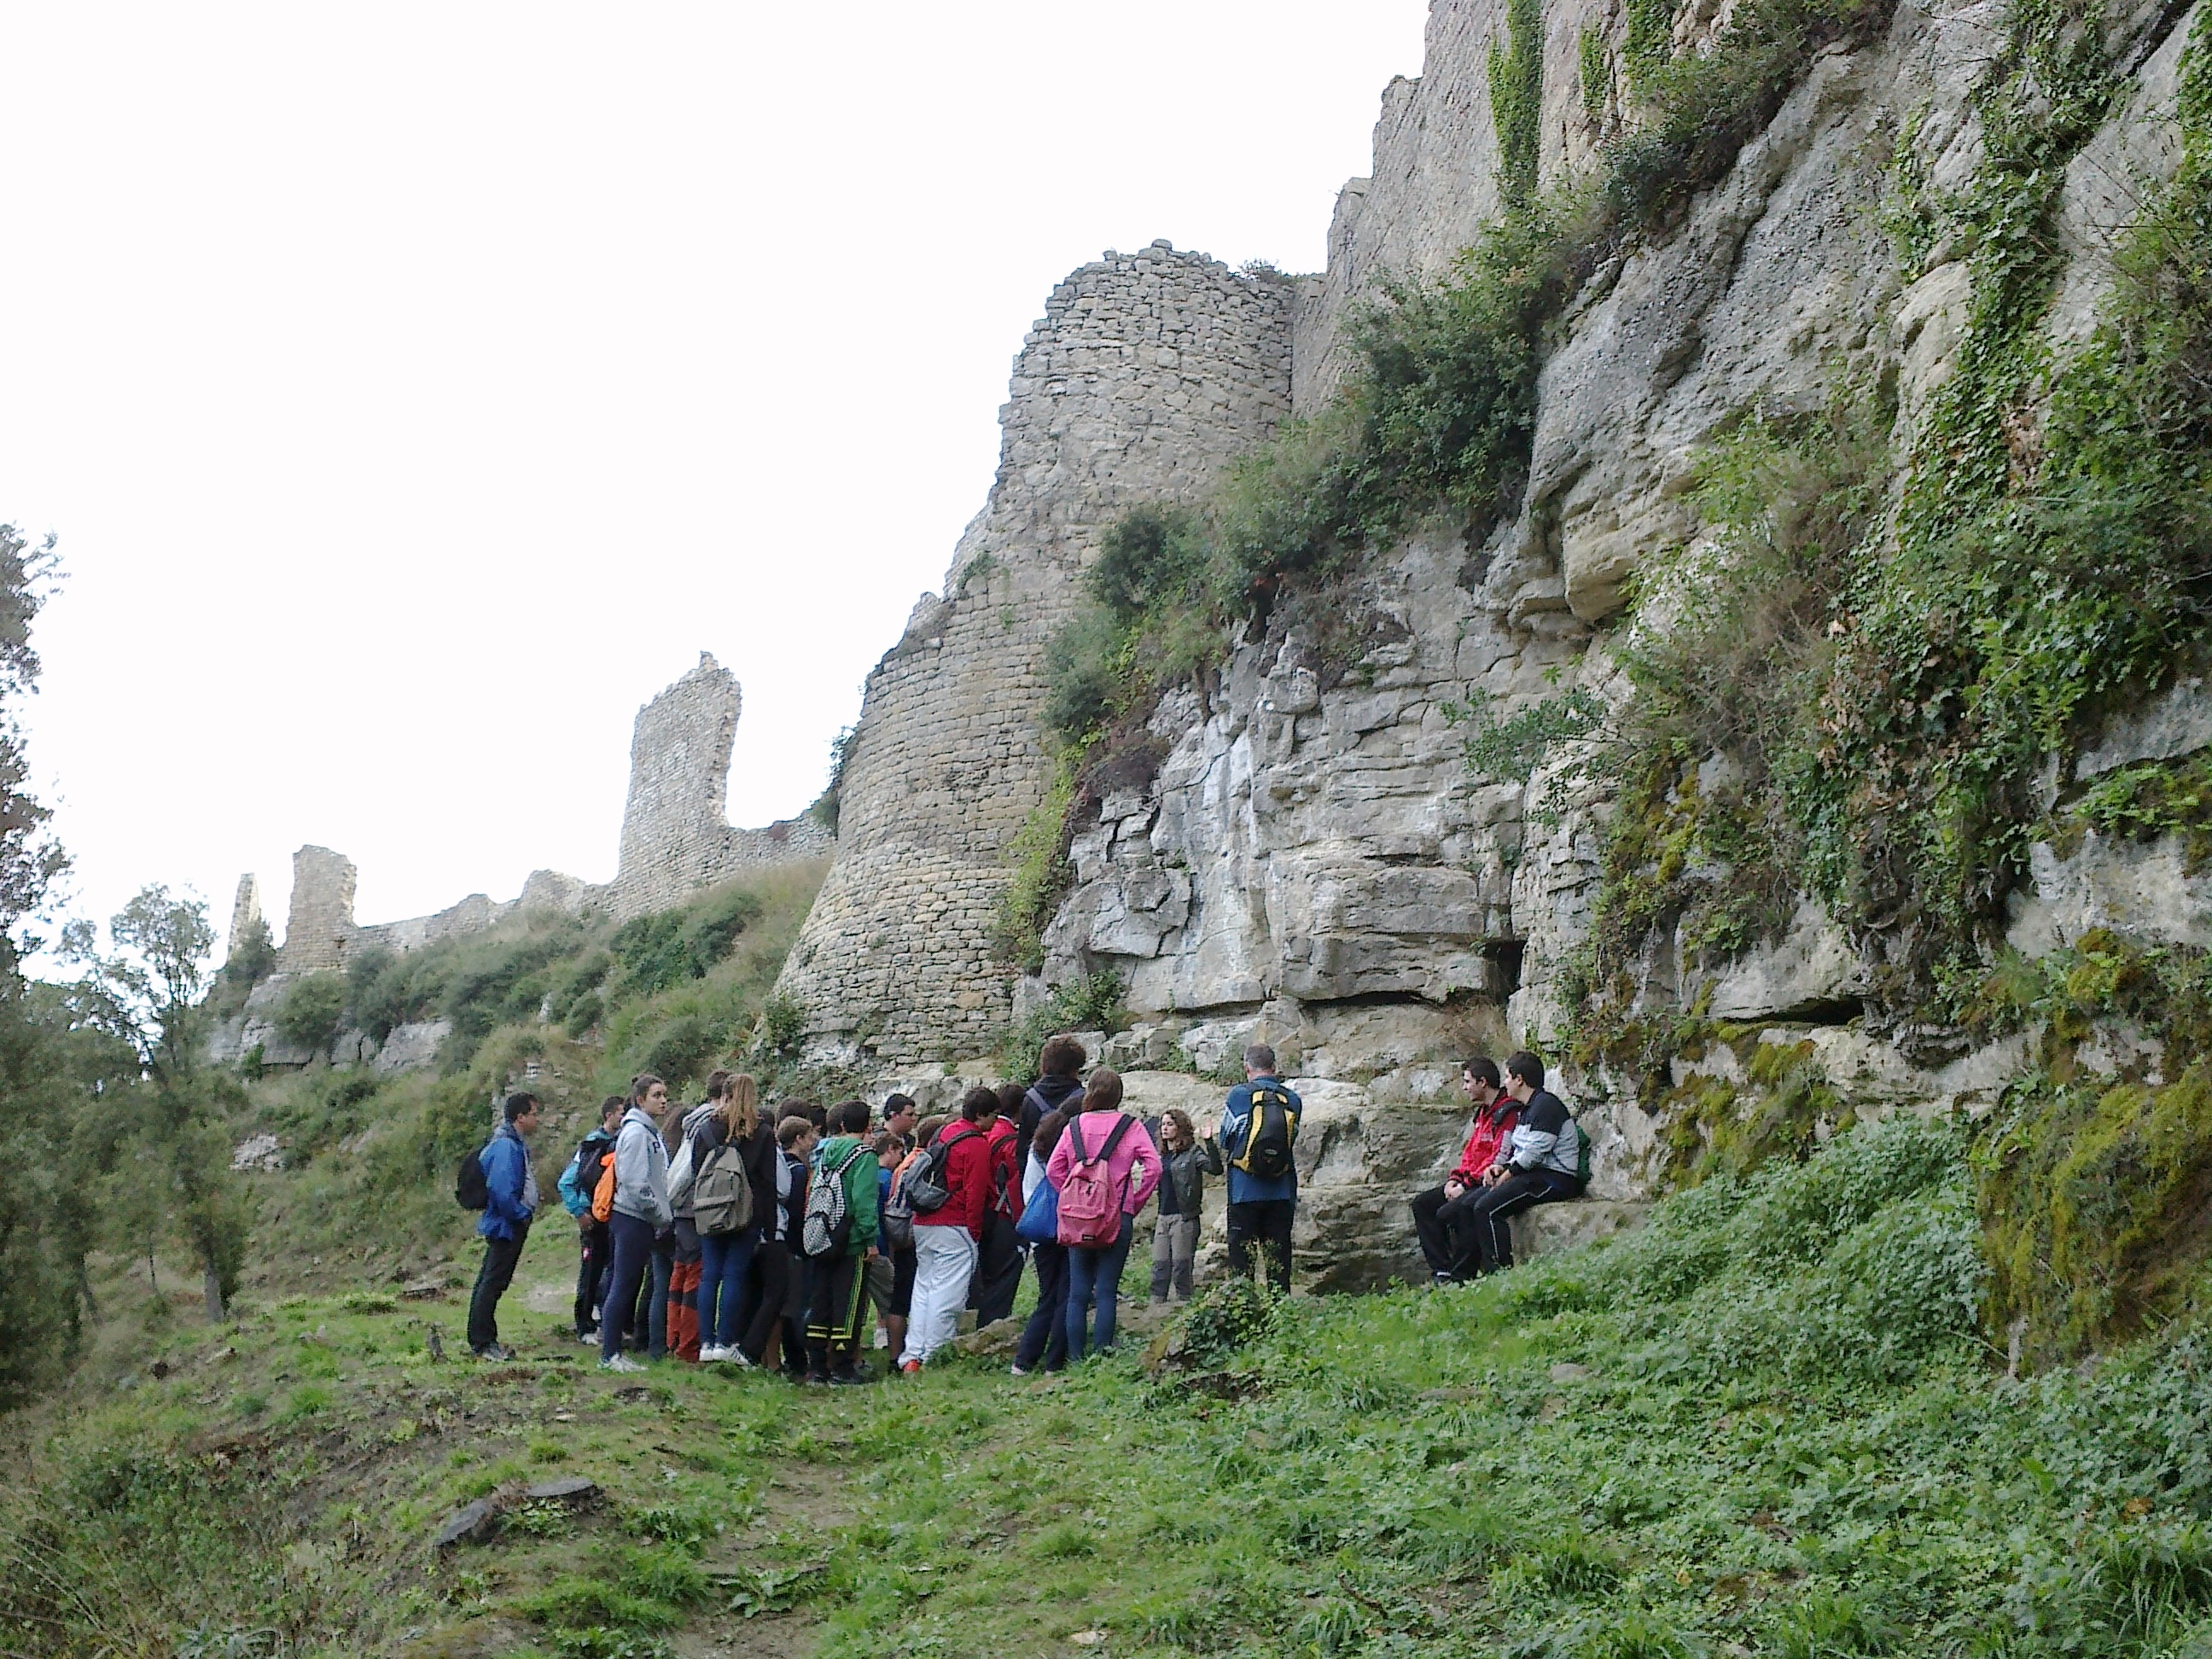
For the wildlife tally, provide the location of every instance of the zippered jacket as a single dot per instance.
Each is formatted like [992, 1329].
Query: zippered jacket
[967, 1179]
[861, 1185]
[1182, 1179]
[510, 1185]
[641, 1171]
[1547, 1138]
[1244, 1186]
[1492, 1125]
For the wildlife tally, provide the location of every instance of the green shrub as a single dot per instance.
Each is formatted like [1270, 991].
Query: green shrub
[308, 1016]
[1091, 1004]
[655, 953]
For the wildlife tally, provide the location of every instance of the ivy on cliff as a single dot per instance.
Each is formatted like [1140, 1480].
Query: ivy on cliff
[2052, 552]
[1434, 421]
[1516, 99]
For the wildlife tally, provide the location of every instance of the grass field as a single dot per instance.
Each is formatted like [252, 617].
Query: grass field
[1765, 1423]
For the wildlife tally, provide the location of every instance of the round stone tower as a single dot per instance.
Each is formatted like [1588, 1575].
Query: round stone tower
[1147, 375]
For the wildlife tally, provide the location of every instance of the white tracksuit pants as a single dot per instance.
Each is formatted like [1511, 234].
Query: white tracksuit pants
[944, 1261]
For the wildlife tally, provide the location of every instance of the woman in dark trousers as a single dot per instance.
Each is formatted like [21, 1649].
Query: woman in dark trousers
[1044, 1339]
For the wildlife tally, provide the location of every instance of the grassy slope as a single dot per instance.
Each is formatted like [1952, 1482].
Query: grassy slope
[1764, 1424]
[369, 1183]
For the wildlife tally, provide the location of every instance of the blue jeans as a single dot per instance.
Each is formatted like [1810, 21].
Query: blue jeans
[633, 1251]
[725, 1262]
[1094, 1274]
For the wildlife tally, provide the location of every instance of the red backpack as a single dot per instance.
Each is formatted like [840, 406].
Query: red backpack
[1090, 1199]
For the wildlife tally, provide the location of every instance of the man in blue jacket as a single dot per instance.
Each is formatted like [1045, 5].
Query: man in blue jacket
[510, 1201]
[1259, 1125]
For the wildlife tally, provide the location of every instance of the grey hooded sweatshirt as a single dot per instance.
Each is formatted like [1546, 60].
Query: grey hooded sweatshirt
[641, 1170]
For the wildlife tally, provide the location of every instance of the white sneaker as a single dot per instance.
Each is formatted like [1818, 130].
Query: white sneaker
[710, 1355]
[621, 1362]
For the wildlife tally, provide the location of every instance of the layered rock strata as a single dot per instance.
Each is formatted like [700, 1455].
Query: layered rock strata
[1314, 861]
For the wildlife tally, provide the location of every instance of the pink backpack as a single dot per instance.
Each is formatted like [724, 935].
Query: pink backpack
[1090, 1199]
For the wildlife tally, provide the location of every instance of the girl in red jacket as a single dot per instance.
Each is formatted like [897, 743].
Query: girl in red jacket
[946, 1240]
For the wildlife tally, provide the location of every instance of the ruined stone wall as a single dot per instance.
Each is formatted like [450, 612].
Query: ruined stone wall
[674, 841]
[244, 912]
[319, 932]
[1148, 374]
[676, 837]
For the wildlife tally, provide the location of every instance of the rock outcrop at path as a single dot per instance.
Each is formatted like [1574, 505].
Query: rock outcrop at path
[1312, 861]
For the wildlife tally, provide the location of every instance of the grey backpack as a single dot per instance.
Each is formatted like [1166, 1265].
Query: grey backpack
[721, 1193]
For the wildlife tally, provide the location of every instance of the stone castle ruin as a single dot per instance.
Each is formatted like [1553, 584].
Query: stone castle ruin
[675, 839]
[1312, 861]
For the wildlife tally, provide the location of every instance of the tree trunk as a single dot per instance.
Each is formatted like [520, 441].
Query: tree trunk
[214, 1283]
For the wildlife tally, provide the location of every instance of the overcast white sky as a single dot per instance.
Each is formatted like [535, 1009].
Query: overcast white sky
[416, 389]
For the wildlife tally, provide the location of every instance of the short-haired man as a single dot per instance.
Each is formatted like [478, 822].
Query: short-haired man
[900, 1116]
[641, 1210]
[1539, 1162]
[1440, 1213]
[510, 1202]
[580, 1184]
[1060, 1079]
[1259, 1126]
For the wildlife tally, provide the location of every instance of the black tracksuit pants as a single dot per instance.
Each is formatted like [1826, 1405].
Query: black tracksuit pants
[1486, 1217]
[1446, 1232]
[596, 1250]
[998, 1272]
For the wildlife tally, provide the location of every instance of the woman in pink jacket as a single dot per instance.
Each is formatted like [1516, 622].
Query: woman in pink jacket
[1132, 1164]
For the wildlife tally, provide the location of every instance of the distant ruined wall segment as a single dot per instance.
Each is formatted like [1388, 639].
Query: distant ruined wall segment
[676, 836]
[674, 841]
[1147, 375]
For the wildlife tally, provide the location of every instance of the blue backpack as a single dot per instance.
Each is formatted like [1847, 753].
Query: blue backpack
[1040, 1220]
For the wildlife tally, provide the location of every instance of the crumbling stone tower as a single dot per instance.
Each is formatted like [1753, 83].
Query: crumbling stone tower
[320, 930]
[244, 914]
[675, 822]
[1148, 374]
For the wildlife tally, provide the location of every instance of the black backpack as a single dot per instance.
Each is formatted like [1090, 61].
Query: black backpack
[470, 1191]
[1274, 1125]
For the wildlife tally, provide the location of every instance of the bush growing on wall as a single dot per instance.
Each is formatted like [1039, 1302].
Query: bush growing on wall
[309, 1016]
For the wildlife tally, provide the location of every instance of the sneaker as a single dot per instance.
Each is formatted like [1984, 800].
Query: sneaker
[711, 1355]
[816, 1380]
[621, 1362]
[588, 1338]
[494, 1351]
[851, 1379]
[911, 1367]
[1020, 1370]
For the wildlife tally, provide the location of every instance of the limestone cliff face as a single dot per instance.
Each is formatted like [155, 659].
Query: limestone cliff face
[1148, 374]
[1314, 861]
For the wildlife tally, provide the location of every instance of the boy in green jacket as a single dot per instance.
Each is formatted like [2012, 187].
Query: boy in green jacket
[835, 1281]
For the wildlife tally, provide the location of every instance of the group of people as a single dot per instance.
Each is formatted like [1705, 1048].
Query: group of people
[725, 1233]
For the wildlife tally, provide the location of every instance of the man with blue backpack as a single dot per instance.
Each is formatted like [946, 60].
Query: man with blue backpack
[510, 1190]
[1258, 1129]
